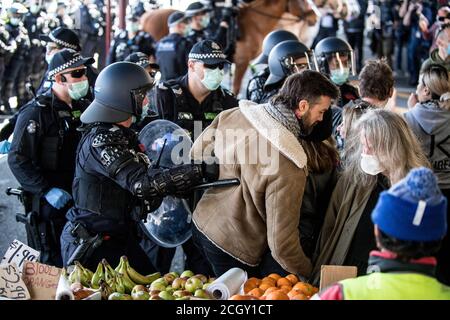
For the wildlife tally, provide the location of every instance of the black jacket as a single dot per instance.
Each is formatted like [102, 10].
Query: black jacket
[172, 53]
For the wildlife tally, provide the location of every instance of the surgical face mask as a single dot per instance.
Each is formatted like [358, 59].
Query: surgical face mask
[370, 164]
[14, 21]
[448, 49]
[339, 76]
[205, 21]
[187, 30]
[134, 27]
[78, 90]
[34, 8]
[212, 79]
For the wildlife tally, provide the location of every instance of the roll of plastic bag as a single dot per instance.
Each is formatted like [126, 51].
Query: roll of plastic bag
[228, 284]
[63, 291]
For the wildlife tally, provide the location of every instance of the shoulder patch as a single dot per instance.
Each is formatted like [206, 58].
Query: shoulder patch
[109, 138]
[32, 126]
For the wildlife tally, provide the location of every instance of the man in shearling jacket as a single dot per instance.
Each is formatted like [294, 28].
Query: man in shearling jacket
[244, 226]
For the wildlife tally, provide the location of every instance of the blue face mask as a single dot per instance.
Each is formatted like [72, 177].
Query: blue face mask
[78, 90]
[187, 30]
[212, 79]
[205, 21]
[14, 21]
[339, 76]
[448, 49]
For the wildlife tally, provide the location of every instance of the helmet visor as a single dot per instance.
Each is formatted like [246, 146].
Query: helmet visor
[139, 98]
[296, 65]
[341, 61]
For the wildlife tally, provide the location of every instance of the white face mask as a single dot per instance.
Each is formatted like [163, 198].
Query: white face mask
[370, 164]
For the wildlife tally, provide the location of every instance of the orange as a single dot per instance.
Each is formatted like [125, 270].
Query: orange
[242, 297]
[292, 278]
[283, 282]
[251, 284]
[270, 280]
[264, 286]
[299, 296]
[274, 276]
[293, 293]
[270, 290]
[286, 289]
[277, 295]
[257, 292]
[304, 288]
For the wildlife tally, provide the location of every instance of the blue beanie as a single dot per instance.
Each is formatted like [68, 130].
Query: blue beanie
[413, 209]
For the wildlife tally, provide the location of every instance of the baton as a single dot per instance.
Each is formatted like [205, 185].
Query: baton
[218, 184]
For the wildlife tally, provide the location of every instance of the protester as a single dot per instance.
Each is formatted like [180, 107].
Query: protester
[410, 222]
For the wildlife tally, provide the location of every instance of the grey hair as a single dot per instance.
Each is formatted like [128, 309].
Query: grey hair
[392, 141]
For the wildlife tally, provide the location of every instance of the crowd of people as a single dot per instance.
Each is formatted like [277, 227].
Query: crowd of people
[348, 182]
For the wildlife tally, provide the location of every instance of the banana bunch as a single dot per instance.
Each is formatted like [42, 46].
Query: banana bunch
[125, 277]
[98, 276]
[105, 289]
[134, 276]
[81, 275]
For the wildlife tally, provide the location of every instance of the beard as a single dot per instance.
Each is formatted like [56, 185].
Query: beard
[306, 126]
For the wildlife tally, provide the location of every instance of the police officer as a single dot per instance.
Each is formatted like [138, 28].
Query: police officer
[336, 60]
[200, 18]
[34, 23]
[42, 156]
[14, 80]
[197, 96]
[57, 40]
[149, 111]
[114, 183]
[286, 58]
[172, 51]
[131, 40]
[255, 87]
[8, 46]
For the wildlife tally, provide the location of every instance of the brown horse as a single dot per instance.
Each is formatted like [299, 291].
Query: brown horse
[255, 20]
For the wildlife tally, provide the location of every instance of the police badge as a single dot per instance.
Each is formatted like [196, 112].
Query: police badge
[32, 126]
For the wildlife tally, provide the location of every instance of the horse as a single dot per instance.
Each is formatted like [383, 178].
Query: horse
[255, 19]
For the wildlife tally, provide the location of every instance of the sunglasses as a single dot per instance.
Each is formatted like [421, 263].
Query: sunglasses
[78, 73]
[214, 66]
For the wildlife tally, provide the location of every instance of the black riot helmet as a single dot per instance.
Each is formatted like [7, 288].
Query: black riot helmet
[337, 51]
[271, 40]
[282, 60]
[120, 91]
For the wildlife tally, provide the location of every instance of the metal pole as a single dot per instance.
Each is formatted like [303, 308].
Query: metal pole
[108, 28]
[122, 13]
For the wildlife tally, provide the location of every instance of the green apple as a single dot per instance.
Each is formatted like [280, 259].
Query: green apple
[203, 279]
[154, 292]
[193, 284]
[182, 293]
[157, 286]
[211, 280]
[175, 274]
[187, 273]
[166, 295]
[179, 283]
[140, 295]
[200, 293]
[161, 280]
[206, 285]
[169, 278]
[184, 298]
[116, 296]
[170, 289]
[127, 297]
[155, 298]
[138, 288]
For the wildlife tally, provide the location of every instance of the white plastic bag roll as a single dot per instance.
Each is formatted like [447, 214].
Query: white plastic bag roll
[63, 291]
[228, 284]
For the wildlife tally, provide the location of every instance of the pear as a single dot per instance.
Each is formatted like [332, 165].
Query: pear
[138, 288]
[179, 283]
[169, 278]
[200, 293]
[166, 295]
[203, 278]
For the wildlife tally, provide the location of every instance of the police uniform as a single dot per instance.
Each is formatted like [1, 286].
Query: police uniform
[172, 55]
[180, 106]
[35, 66]
[7, 47]
[122, 46]
[114, 185]
[255, 86]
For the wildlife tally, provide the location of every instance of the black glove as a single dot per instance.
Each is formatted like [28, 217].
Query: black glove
[210, 171]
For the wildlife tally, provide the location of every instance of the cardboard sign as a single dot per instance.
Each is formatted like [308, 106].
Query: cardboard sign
[41, 280]
[18, 252]
[11, 283]
[332, 274]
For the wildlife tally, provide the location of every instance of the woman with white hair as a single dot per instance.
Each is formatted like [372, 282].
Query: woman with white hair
[385, 150]
[429, 119]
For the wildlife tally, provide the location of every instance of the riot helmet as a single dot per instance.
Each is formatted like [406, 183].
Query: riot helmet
[289, 57]
[271, 40]
[120, 92]
[16, 13]
[335, 59]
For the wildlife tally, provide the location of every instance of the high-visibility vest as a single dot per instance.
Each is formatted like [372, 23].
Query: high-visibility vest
[394, 286]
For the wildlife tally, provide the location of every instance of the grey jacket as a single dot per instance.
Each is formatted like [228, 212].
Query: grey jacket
[431, 124]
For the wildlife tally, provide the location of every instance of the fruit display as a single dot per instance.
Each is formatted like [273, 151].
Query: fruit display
[125, 283]
[276, 287]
